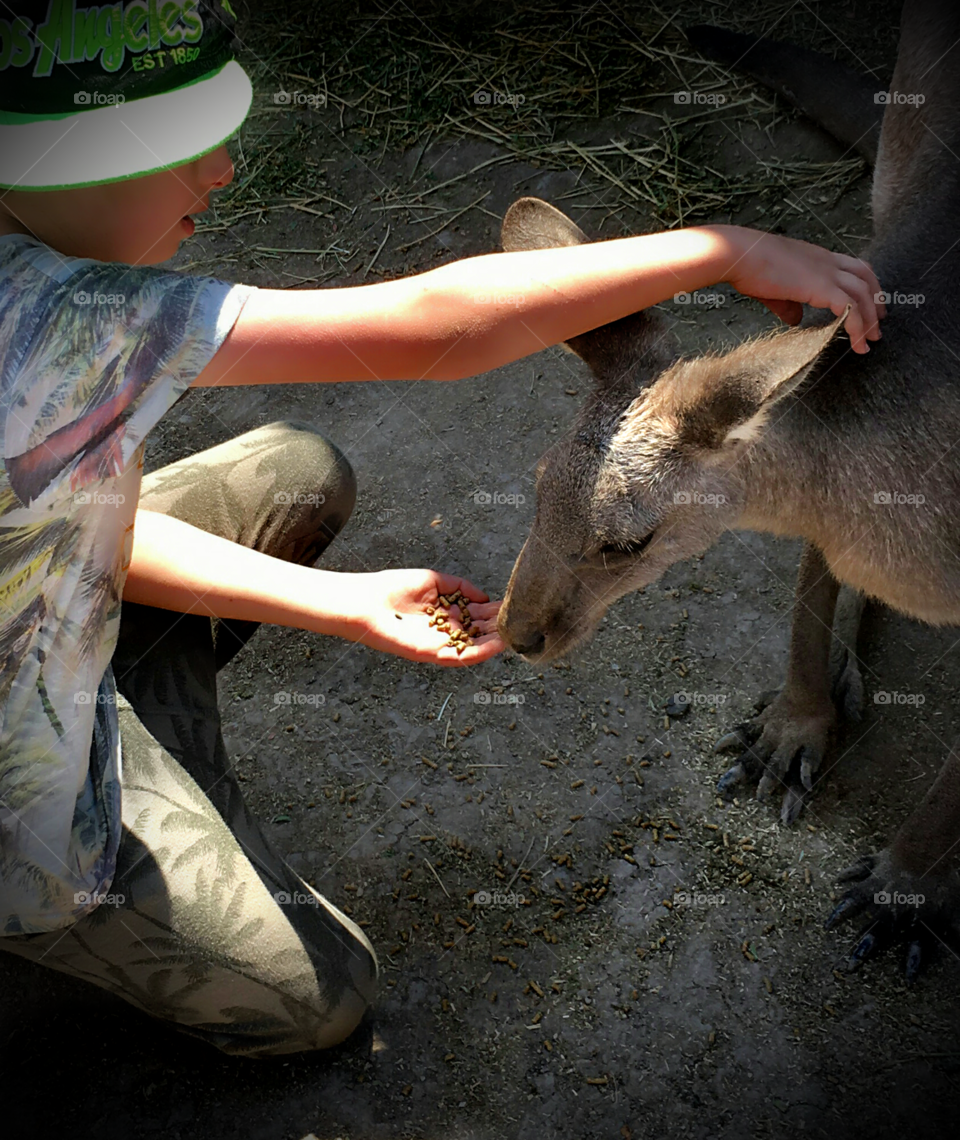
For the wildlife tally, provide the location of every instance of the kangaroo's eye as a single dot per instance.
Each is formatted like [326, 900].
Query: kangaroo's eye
[625, 549]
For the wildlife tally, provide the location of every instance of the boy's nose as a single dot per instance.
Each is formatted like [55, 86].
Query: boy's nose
[216, 168]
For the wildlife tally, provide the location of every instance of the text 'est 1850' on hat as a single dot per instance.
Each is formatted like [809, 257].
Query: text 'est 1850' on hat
[101, 93]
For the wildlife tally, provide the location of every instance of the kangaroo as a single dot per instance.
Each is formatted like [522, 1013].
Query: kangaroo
[796, 435]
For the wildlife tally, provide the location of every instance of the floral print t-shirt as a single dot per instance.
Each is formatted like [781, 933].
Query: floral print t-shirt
[92, 354]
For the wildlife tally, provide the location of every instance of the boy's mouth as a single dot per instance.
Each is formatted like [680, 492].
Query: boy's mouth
[188, 223]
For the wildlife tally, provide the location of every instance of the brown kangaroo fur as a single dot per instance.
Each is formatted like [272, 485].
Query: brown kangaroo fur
[796, 435]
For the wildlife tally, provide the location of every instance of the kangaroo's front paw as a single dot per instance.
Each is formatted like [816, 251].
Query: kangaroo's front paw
[903, 906]
[782, 749]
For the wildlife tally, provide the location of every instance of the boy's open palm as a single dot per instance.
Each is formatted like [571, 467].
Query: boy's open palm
[396, 619]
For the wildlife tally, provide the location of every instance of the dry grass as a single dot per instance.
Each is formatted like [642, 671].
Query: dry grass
[396, 75]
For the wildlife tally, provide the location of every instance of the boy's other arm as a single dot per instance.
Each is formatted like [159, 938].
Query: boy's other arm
[176, 566]
[435, 326]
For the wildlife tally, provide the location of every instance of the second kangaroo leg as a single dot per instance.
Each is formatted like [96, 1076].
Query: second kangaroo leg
[784, 746]
[846, 680]
[911, 889]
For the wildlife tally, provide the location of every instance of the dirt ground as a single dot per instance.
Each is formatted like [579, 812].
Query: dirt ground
[581, 996]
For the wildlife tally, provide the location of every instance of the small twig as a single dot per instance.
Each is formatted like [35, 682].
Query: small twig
[278, 249]
[520, 866]
[321, 198]
[377, 254]
[413, 172]
[440, 229]
[437, 877]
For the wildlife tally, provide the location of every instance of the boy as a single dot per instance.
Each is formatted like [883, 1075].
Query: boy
[127, 854]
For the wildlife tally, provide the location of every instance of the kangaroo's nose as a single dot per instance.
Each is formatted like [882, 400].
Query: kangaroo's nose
[532, 646]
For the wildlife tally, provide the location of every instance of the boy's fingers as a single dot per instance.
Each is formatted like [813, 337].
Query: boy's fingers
[865, 273]
[480, 611]
[839, 304]
[447, 584]
[481, 650]
[862, 269]
[860, 294]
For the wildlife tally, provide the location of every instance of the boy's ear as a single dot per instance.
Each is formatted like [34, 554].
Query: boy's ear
[712, 404]
[612, 351]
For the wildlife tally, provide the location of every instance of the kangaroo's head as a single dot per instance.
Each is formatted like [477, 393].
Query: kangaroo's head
[650, 472]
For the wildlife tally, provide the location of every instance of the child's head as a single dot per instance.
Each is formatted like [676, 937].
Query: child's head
[113, 120]
[139, 221]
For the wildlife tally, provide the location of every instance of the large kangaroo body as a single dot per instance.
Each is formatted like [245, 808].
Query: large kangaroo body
[796, 435]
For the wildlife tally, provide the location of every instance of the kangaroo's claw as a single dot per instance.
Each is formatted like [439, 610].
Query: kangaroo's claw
[780, 751]
[740, 737]
[848, 906]
[792, 804]
[732, 777]
[862, 951]
[902, 907]
[859, 870]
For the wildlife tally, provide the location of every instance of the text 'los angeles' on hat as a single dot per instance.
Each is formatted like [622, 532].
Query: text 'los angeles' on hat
[102, 93]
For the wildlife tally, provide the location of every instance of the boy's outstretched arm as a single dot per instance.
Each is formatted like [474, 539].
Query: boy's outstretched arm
[476, 314]
[176, 566]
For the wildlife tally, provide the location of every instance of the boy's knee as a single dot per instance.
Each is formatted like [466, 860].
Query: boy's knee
[315, 465]
[317, 1025]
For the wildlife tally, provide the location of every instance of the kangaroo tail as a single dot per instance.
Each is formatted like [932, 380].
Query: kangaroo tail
[839, 99]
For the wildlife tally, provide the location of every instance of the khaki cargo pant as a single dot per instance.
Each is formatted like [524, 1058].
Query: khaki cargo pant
[215, 933]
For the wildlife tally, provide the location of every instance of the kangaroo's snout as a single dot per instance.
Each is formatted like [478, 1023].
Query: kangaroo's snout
[531, 609]
[520, 627]
[531, 646]
[545, 611]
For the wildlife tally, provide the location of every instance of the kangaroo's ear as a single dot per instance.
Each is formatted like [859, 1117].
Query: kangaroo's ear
[531, 223]
[635, 347]
[612, 351]
[710, 404]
